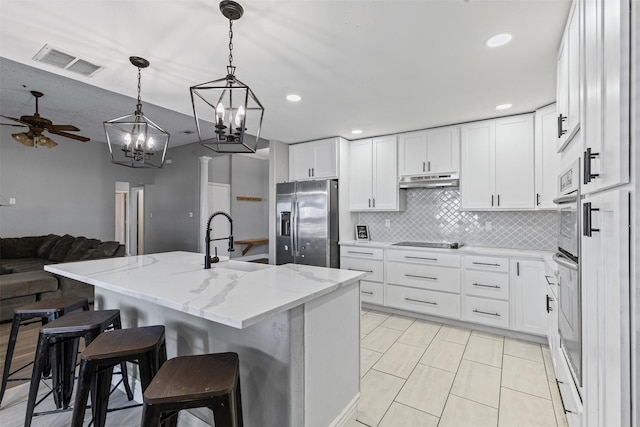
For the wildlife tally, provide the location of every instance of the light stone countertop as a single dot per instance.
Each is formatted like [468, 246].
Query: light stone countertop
[233, 293]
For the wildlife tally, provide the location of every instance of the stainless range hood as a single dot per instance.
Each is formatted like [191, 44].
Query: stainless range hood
[430, 181]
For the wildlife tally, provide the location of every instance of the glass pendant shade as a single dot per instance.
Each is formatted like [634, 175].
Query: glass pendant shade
[136, 141]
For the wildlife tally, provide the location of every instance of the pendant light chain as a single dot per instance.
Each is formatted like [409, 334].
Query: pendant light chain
[139, 105]
[231, 46]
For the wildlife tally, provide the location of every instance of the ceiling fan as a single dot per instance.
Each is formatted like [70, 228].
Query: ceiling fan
[38, 124]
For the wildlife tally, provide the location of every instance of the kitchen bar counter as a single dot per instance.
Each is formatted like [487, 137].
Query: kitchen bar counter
[296, 328]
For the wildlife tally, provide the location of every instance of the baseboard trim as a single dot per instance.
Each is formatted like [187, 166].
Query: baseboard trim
[348, 415]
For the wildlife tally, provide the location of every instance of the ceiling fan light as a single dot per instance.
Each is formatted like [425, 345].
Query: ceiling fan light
[23, 139]
[43, 141]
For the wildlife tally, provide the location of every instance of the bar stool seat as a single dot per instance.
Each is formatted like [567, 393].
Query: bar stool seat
[144, 345]
[208, 380]
[61, 339]
[46, 310]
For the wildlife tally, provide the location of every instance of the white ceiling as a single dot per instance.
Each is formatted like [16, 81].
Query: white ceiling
[381, 66]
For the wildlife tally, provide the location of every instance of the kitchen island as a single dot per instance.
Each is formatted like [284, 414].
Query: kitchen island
[296, 328]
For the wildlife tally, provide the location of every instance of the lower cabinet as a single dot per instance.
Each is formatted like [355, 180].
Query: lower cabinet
[370, 261]
[424, 301]
[486, 288]
[529, 296]
[487, 311]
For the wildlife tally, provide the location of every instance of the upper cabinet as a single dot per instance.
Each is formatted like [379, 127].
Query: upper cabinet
[607, 56]
[432, 151]
[314, 160]
[497, 164]
[373, 175]
[547, 162]
[568, 80]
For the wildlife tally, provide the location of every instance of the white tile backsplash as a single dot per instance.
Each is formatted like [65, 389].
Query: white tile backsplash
[435, 215]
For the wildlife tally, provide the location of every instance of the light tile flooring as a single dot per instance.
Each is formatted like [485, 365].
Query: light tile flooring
[416, 373]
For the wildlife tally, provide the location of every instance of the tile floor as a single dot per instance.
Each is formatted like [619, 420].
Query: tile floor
[416, 373]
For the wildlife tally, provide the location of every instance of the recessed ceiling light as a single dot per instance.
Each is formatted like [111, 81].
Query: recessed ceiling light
[503, 106]
[499, 40]
[293, 97]
[356, 131]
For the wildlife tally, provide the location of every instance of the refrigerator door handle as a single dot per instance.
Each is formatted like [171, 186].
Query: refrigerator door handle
[295, 246]
[292, 228]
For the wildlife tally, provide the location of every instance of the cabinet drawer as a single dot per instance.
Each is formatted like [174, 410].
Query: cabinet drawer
[422, 257]
[362, 252]
[487, 311]
[570, 396]
[373, 268]
[372, 292]
[423, 301]
[486, 284]
[488, 263]
[424, 276]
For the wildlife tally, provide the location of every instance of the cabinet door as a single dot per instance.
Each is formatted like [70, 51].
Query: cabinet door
[562, 94]
[443, 150]
[529, 290]
[412, 153]
[360, 175]
[553, 335]
[547, 167]
[325, 155]
[300, 161]
[606, 309]
[573, 83]
[514, 152]
[385, 173]
[476, 177]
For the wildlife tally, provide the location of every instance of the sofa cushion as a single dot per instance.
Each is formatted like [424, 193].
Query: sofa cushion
[79, 247]
[20, 247]
[60, 249]
[29, 283]
[103, 250]
[47, 244]
[25, 264]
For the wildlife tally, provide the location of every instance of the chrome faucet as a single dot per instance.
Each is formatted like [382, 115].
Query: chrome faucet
[207, 258]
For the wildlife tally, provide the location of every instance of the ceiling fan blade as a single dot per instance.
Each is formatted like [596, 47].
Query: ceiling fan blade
[15, 120]
[70, 135]
[64, 127]
[11, 124]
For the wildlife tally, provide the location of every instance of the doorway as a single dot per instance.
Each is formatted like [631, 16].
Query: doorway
[219, 199]
[137, 221]
[121, 232]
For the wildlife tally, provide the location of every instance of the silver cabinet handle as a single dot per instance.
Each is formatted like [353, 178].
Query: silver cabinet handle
[485, 263]
[417, 300]
[364, 271]
[362, 253]
[415, 276]
[486, 286]
[420, 257]
[366, 292]
[486, 312]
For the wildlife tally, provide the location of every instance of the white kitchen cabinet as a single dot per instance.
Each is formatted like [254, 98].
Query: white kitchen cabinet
[432, 151]
[486, 290]
[373, 175]
[568, 80]
[529, 296]
[370, 261]
[607, 95]
[605, 261]
[547, 159]
[497, 164]
[314, 160]
[553, 334]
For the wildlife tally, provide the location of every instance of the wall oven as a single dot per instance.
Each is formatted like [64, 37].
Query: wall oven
[567, 258]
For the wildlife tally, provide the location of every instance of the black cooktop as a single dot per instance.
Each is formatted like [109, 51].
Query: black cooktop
[439, 245]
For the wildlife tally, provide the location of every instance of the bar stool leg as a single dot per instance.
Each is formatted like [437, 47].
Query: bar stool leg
[100, 396]
[150, 416]
[82, 394]
[41, 355]
[9, 356]
[123, 366]
[68, 364]
[238, 408]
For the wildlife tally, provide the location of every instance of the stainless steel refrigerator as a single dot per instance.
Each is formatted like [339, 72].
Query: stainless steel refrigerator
[307, 223]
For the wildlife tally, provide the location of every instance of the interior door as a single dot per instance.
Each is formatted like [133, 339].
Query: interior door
[219, 199]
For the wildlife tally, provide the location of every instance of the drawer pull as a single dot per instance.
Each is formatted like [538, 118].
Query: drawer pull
[486, 286]
[566, 411]
[417, 300]
[415, 276]
[420, 257]
[486, 263]
[362, 253]
[486, 312]
[549, 282]
[366, 292]
[364, 271]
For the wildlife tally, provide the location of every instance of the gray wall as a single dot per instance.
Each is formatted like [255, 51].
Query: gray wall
[66, 189]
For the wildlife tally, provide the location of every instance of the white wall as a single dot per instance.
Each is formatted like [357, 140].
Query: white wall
[278, 172]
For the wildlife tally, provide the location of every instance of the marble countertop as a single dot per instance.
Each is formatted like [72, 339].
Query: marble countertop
[465, 250]
[233, 293]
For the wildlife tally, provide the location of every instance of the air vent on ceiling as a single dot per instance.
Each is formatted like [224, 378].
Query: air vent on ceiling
[54, 56]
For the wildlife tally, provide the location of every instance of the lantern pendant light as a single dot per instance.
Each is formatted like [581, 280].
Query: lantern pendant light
[135, 140]
[228, 114]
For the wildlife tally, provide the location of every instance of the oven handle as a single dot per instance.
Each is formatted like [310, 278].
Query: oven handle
[565, 262]
[571, 198]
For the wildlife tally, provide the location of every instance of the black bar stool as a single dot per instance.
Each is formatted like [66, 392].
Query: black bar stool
[185, 382]
[61, 338]
[144, 345]
[46, 310]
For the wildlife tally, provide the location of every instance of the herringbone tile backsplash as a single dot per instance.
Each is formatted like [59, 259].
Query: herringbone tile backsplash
[435, 215]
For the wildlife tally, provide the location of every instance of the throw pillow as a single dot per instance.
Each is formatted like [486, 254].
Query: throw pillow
[47, 244]
[79, 247]
[60, 249]
[106, 249]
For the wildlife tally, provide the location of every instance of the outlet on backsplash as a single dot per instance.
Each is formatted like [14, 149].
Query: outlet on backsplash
[487, 225]
[387, 223]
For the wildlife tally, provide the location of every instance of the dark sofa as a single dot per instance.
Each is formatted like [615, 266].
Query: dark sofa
[22, 261]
